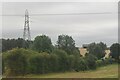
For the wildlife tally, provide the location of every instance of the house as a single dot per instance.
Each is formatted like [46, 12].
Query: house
[107, 53]
[83, 50]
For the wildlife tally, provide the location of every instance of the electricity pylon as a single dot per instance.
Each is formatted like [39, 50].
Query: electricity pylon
[26, 33]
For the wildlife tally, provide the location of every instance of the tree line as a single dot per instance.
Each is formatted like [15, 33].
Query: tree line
[43, 44]
[40, 56]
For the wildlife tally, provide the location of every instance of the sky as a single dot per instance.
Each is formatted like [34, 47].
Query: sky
[86, 22]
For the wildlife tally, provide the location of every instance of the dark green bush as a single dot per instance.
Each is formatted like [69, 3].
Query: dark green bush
[53, 63]
[15, 62]
[91, 61]
[80, 64]
[71, 62]
[83, 65]
[62, 60]
[39, 63]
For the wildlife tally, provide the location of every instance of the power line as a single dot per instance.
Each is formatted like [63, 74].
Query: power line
[61, 14]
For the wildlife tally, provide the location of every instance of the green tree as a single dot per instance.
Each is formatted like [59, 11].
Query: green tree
[8, 44]
[42, 44]
[115, 50]
[67, 44]
[97, 50]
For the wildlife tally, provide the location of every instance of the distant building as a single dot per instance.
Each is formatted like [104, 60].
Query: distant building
[107, 53]
[83, 50]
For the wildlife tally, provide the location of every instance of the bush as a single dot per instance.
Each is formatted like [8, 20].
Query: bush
[62, 60]
[91, 61]
[71, 62]
[39, 63]
[15, 62]
[80, 64]
[104, 62]
[53, 63]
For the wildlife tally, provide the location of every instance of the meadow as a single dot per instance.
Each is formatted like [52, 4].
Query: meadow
[109, 71]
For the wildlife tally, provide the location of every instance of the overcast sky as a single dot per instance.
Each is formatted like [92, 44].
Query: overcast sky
[86, 22]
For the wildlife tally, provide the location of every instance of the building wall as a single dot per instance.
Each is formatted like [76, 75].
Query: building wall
[83, 51]
[107, 55]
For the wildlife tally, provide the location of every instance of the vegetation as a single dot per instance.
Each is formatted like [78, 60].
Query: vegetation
[91, 61]
[67, 44]
[31, 62]
[42, 44]
[8, 44]
[115, 51]
[41, 57]
[101, 73]
[13, 59]
[98, 49]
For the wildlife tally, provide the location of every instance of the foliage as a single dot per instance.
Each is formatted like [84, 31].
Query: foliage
[15, 61]
[105, 62]
[62, 59]
[31, 62]
[80, 64]
[71, 62]
[67, 44]
[8, 44]
[97, 50]
[53, 63]
[42, 44]
[91, 61]
[46, 58]
[115, 50]
[39, 63]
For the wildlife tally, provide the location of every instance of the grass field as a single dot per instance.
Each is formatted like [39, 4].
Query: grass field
[110, 71]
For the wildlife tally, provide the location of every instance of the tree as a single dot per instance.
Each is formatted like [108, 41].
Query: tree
[42, 44]
[8, 44]
[97, 50]
[67, 44]
[115, 50]
[102, 45]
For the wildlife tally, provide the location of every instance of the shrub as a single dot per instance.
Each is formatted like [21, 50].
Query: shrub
[62, 59]
[53, 63]
[99, 63]
[39, 63]
[104, 62]
[91, 61]
[71, 62]
[80, 64]
[15, 62]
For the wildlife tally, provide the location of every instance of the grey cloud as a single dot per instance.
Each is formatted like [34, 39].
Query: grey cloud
[84, 28]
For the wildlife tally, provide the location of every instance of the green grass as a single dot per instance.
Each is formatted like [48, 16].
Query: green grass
[110, 71]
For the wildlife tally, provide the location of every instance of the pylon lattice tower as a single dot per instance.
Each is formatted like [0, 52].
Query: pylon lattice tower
[26, 33]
